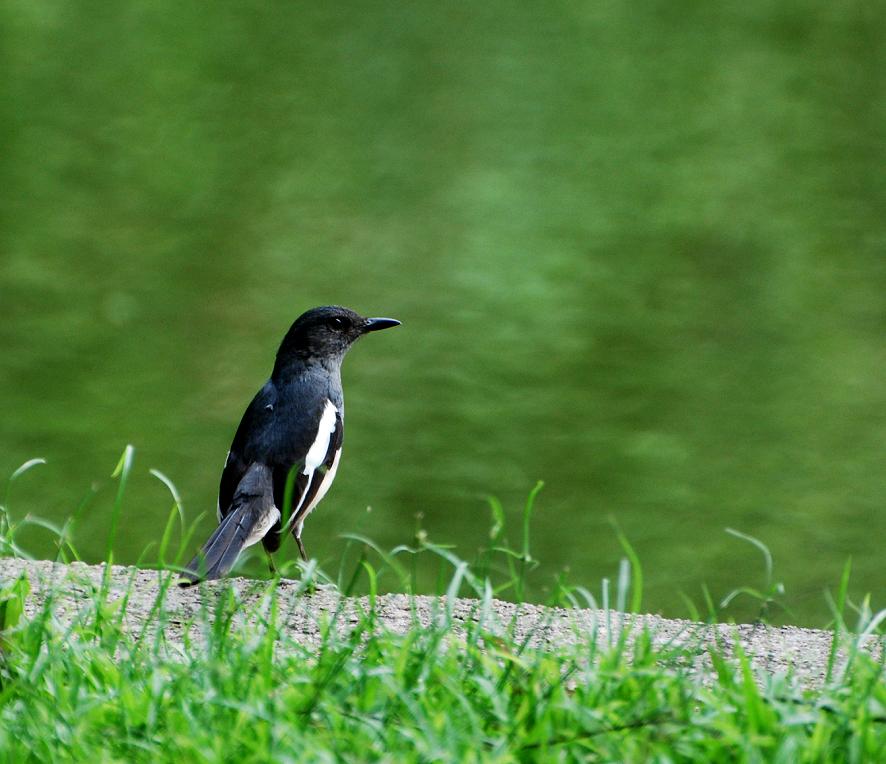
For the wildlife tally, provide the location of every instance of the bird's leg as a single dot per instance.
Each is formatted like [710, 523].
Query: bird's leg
[301, 549]
[311, 586]
[271, 566]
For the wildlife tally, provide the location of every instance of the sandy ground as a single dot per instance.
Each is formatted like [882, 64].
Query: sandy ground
[772, 650]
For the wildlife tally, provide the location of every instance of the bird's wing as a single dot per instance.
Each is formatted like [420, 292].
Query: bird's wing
[313, 468]
[251, 512]
[321, 476]
[255, 419]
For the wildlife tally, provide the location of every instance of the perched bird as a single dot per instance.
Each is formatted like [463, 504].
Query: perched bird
[293, 427]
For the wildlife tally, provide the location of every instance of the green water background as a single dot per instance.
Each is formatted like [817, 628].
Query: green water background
[638, 249]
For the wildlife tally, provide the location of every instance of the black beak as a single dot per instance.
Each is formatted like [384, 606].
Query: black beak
[374, 324]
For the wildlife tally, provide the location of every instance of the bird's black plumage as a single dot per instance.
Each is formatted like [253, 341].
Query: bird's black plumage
[295, 423]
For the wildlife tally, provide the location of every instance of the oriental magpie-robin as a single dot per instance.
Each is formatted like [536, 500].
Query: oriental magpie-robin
[294, 425]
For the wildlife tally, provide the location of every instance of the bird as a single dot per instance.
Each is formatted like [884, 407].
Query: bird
[289, 442]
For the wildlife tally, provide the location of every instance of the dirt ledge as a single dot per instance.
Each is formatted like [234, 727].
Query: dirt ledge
[772, 650]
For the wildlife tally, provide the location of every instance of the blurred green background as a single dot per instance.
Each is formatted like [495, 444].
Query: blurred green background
[639, 251]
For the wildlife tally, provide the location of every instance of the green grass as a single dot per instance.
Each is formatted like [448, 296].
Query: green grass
[241, 689]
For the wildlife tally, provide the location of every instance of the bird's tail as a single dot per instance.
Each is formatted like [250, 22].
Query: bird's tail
[252, 512]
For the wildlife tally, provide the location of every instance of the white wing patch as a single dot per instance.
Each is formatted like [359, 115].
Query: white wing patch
[321, 492]
[317, 453]
[314, 459]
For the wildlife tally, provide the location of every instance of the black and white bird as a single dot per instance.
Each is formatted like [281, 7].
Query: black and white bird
[294, 425]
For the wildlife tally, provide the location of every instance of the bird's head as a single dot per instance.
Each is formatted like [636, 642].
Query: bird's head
[324, 334]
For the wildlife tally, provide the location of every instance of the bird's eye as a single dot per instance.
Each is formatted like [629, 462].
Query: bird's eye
[338, 324]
